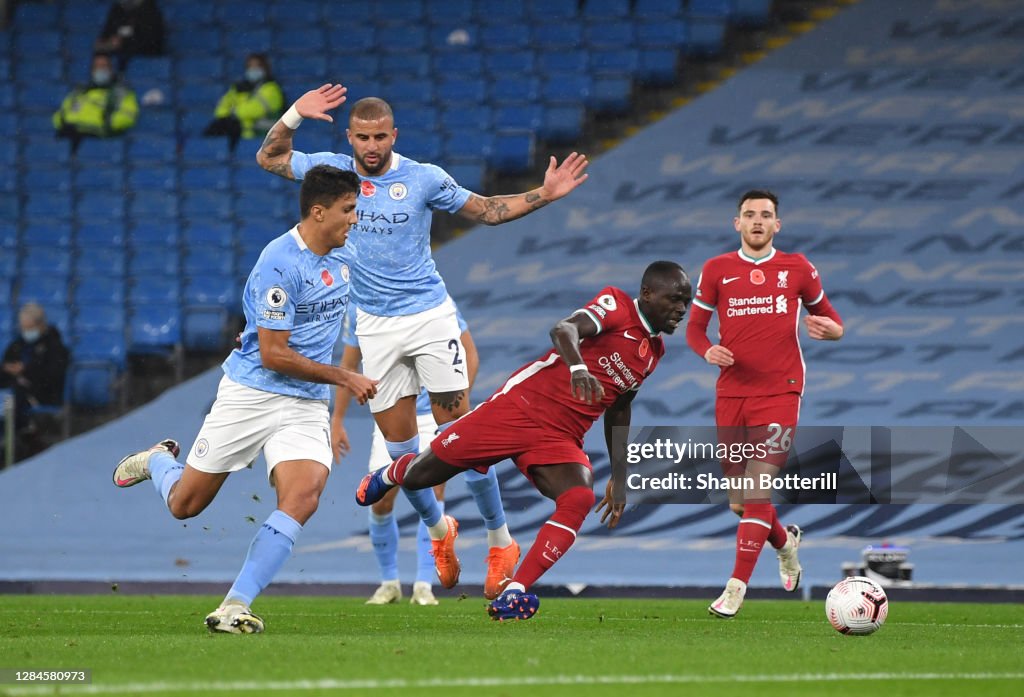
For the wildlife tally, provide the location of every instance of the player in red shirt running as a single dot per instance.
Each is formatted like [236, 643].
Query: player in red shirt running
[758, 292]
[603, 352]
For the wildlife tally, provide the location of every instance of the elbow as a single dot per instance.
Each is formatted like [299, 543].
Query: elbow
[558, 332]
[262, 159]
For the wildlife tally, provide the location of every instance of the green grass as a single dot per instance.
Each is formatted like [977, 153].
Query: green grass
[158, 645]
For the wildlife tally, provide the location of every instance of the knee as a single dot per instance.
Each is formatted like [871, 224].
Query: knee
[301, 506]
[385, 505]
[183, 509]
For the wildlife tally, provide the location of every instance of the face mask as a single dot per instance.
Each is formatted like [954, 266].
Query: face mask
[31, 335]
[254, 74]
[101, 76]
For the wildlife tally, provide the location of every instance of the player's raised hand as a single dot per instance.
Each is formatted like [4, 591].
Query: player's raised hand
[719, 355]
[585, 387]
[613, 503]
[560, 179]
[316, 103]
[361, 387]
[823, 328]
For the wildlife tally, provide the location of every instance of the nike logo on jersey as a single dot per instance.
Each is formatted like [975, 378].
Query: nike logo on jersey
[629, 336]
[727, 281]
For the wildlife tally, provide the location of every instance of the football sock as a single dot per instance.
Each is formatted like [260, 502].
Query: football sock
[556, 535]
[267, 554]
[751, 534]
[778, 536]
[165, 471]
[384, 536]
[485, 491]
[424, 559]
[422, 500]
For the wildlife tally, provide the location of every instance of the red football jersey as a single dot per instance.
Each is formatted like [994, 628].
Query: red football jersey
[622, 355]
[758, 304]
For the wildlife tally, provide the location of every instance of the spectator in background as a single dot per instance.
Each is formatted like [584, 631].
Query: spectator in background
[102, 108]
[251, 106]
[133, 28]
[34, 366]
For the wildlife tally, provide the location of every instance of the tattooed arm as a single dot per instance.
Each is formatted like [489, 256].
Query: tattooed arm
[275, 155]
[559, 180]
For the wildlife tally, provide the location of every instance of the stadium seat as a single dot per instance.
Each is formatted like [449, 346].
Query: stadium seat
[159, 178]
[9, 241]
[419, 117]
[271, 204]
[104, 235]
[95, 206]
[104, 342]
[99, 179]
[611, 94]
[199, 149]
[37, 42]
[606, 9]
[92, 261]
[147, 205]
[192, 122]
[240, 14]
[471, 145]
[467, 118]
[55, 234]
[209, 232]
[83, 14]
[566, 89]
[184, 16]
[452, 36]
[515, 62]
[406, 65]
[206, 178]
[512, 117]
[247, 175]
[563, 124]
[462, 91]
[100, 301]
[98, 152]
[304, 12]
[658, 9]
[205, 328]
[513, 152]
[669, 33]
[551, 36]
[156, 122]
[711, 8]
[149, 290]
[469, 173]
[468, 63]
[152, 149]
[45, 148]
[574, 61]
[10, 207]
[300, 68]
[48, 205]
[153, 234]
[300, 40]
[620, 62]
[10, 180]
[658, 66]
[47, 68]
[751, 13]
[208, 289]
[407, 10]
[348, 65]
[7, 97]
[407, 91]
[454, 11]
[209, 67]
[501, 12]
[403, 37]
[151, 67]
[155, 330]
[558, 10]
[505, 37]
[92, 383]
[214, 205]
[237, 45]
[420, 145]
[48, 179]
[46, 286]
[610, 34]
[705, 35]
[198, 40]
[36, 14]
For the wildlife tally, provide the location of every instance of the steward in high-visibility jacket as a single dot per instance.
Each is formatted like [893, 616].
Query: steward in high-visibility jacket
[251, 106]
[102, 108]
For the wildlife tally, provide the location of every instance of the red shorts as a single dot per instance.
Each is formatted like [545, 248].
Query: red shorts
[765, 425]
[497, 430]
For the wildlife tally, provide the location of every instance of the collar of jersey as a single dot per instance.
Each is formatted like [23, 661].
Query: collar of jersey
[754, 261]
[294, 232]
[643, 320]
[396, 161]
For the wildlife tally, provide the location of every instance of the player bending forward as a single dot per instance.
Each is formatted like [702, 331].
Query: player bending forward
[539, 417]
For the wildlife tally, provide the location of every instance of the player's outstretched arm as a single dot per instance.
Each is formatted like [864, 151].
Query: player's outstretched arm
[559, 181]
[277, 355]
[566, 337]
[275, 155]
[616, 429]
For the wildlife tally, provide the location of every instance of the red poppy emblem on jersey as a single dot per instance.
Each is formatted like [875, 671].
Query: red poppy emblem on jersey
[367, 188]
[757, 277]
[645, 346]
[327, 278]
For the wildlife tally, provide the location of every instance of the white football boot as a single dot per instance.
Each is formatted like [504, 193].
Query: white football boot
[422, 594]
[731, 599]
[388, 592]
[789, 565]
[234, 618]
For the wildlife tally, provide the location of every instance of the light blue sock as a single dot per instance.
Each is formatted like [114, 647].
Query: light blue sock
[485, 491]
[267, 554]
[166, 471]
[384, 536]
[422, 500]
[424, 559]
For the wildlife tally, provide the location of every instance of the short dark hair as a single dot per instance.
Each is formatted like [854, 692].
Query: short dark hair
[371, 109]
[659, 272]
[323, 185]
[759, 193]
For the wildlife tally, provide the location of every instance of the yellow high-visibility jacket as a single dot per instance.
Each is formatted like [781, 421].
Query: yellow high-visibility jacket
[255, 109]
[98, 111]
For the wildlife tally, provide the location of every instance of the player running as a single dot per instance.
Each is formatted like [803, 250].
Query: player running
[406, 325]
[274, 392]
[758, 292]
[603, 353]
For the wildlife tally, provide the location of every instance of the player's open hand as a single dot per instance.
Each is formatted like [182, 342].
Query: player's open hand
[340, 444]
[316, 103]
[823, 328]
[560, 179]
[613, 503]
[361, 387]
[719, 355]
[586, 388]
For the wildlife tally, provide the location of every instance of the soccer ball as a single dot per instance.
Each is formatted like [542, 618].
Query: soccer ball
[856, 605]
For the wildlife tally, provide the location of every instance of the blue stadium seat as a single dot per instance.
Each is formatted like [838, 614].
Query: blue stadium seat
[94, 261]
[611, 94]
[152, 67]
[106, 235]
[78, 46]
[255, 234]
[99, 179]
[7, 97]
[56, 235]
[711, 8]
[468, 63]
[277, 204]
[705, 36]
[84, 14]
[209, 67]
[46, 288]
[158, 178]
[575, 61]
[563, 124]
[153, 236]
[100, 300]
[5, 73]
[240, 14]
[751, 13]
[208, 260]
[505, 37]
[208, 233]
[549, 36]
[669, 33]
[247, 175]
[419, 117]
[468, 146]
[300, 40]
[204, 94]
[98, 152]
[152, 204]
[548, 10]
[201, 40]
[45, 205]
[469, 174]
[37, 42]
[40, 97]
[150, 149]
[10, 207]
[183, 16]
[36, 14]
[472, 118]
[148, 290]
[258, 40]
[217, 205]
[9, 242]
[205, 328]
[501, 11]
[420, 145]
[449, 36]
[566, 89]
[658, 9]
[622, 62]
[344, 66]
[518, 62]
[407, 10]
[611, 34]
[155, 329]
[301, 68]
[207, 289]
[462, 91]
[205, 178]
[454, 11]
[46, 263]
[408, 91]
[10, 180]
[49, 68]
[513, 117]
[513, 152]
[192, 122]
[33, 125]
[406, 65]
[511, 89]
[96, 206]
[205, 150]
[606, 9]
[93, 383]
[297, 12]
[46, 179]
[658, 66]
[156, 122]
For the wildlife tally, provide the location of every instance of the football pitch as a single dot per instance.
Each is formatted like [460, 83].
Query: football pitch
[158, 645]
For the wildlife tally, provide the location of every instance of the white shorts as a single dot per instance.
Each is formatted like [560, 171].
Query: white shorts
[408, 352]
[379, 456]
[243, 420]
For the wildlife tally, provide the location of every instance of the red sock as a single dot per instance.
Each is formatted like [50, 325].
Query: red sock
[778, 535]
[396, 470]
[750, 536]
[556, 535]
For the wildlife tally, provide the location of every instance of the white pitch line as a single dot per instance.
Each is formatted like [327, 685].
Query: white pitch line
[443, 683]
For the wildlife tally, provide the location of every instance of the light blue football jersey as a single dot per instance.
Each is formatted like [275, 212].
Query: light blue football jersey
[291, 288]
[348, 336]
[393, 272]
